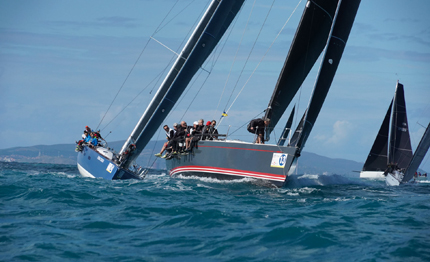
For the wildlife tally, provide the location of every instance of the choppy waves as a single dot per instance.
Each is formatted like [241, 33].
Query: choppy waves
[50, 212]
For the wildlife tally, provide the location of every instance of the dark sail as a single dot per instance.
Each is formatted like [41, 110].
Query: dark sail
[287, 128]
[308, 43]
[298, 132]
[419, 155]
[334, 50]
[400, 141]
[378, 156]
[163, 102]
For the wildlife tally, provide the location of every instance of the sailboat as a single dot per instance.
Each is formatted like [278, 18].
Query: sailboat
[394, 148]
[105, 162]
[324, 29]
[325, 25]
[396, 177]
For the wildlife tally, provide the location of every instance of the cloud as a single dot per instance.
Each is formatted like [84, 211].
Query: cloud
[370, 54]
[111, 21]
[340, 133]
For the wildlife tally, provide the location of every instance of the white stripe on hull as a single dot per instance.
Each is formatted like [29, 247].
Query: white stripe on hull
[84, 172]
[226, 172]
[391, 180]
[372, 174]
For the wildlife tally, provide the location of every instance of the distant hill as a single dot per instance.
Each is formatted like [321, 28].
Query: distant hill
[308, 163]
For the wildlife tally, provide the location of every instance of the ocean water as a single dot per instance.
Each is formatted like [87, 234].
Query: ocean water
[51, 213]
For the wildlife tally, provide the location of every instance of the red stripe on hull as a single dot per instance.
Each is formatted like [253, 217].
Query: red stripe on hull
[226, 171]
[237, 148]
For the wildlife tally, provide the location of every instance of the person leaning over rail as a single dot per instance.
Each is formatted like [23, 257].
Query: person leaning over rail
[258, 126]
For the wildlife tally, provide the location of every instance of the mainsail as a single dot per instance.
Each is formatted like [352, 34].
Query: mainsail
[211, 28]
[419, 155]
[378, 156]
[308, 43]
[400, 143]
[336, 44]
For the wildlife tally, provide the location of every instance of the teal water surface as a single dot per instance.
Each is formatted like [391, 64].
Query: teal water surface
[51, 213]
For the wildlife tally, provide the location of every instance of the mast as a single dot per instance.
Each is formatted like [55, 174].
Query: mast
[400, 142]
[308, 43]
[338, 37]
[419, 155]
[205, 37]
[378, 155]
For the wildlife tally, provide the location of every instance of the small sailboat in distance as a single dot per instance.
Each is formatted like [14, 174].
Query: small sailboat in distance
[396, 176]
[390, 146]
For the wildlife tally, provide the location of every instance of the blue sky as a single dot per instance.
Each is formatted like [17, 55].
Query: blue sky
[63, 62]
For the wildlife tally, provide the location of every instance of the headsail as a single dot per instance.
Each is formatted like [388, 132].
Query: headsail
[287, 128]
[419, 155]
[211, 28]
[378, 156]
[400, 142]
[308, 43]
[341, 28]
[298, 132]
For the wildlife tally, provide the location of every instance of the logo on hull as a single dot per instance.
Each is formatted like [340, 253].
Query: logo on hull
[278, 160]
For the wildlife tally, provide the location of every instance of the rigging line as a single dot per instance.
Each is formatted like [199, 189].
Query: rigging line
[220, 52]
[125, 80]
[195, 79]
[244, 124]
[153, 150]
[214, 60]
[132, 68]
[179, 55]
[185, 94]
[159, 28]
[196, 95]
[178, 49]
[264, 55]
[131, 101]
[225, 42]
[235, 56]
[159, 76]
[249, 54]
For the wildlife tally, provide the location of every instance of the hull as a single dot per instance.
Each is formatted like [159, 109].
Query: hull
[394, 179]
[372, 174]
[93, 163]
[228, 160]
[420, 177]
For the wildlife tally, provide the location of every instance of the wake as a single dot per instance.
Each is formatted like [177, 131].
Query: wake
[305, 180]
